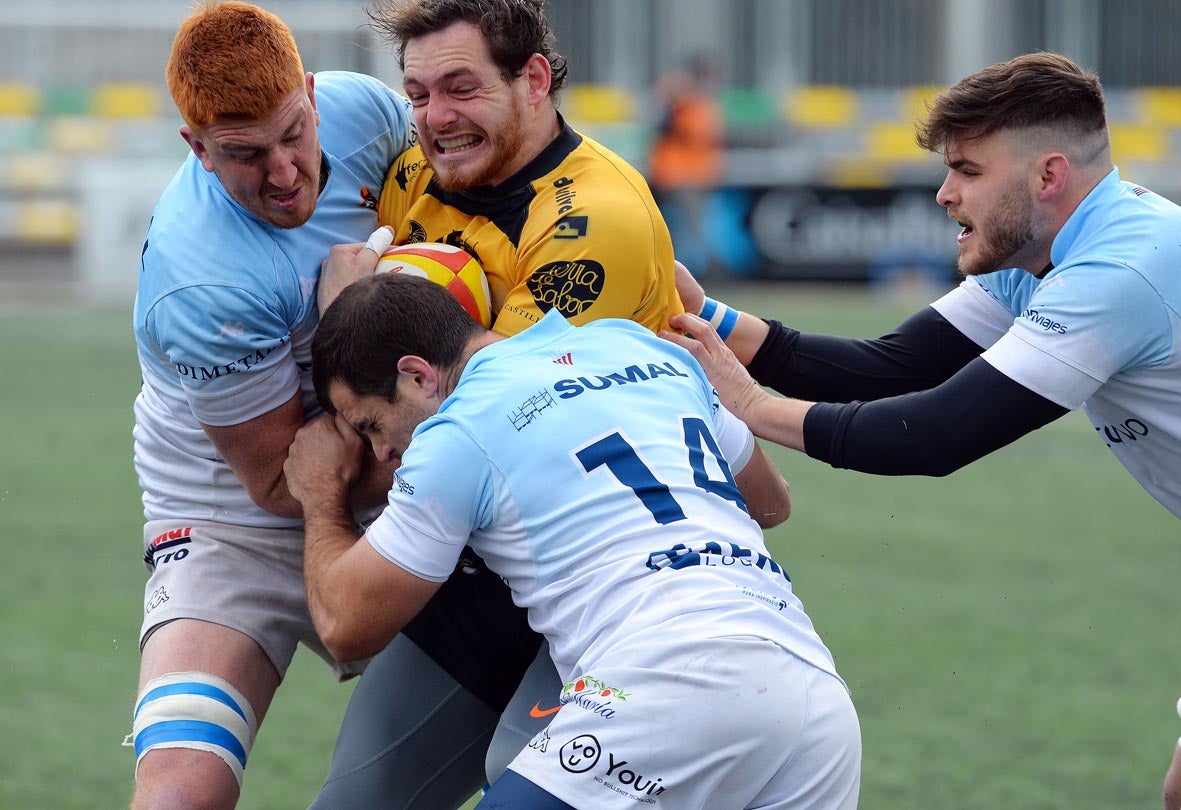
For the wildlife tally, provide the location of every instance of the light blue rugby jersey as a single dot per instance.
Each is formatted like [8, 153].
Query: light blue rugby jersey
[586, 466]
[1102, 329]
[226, 305]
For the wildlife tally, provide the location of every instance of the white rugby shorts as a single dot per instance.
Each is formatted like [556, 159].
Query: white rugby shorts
[248, 579]
[715, 724]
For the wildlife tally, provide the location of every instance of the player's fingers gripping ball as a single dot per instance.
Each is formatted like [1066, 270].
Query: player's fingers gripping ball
[452, 267]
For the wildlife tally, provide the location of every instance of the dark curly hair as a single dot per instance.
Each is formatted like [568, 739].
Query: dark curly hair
[514, 30]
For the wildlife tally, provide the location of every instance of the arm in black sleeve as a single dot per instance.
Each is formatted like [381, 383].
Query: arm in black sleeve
[933, 432]
[923, 352]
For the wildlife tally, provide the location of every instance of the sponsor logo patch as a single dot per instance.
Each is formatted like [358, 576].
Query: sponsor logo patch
[571, 228]
[569, 287]
[168, 546]
[531, 409]
[584, 754]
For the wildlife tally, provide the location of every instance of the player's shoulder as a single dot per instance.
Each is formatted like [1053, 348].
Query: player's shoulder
[591, 183]
[602, 165]
[356, 109]
[410, 169]
[194, 205]
[343, 85]
[405, 183]
[177, 249]
[1011, 287]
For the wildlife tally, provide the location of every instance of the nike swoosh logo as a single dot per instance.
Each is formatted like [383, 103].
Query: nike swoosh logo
[537, 711]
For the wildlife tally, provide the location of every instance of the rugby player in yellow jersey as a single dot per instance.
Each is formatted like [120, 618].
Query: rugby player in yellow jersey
[558, 222]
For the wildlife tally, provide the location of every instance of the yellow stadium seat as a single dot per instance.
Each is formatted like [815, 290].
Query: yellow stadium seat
[80, 135]
[125, 100]
[1159, 105]
[821, 106]
[19, 100]
[46, 222]
[35, 171]
[914, 102]
[857, 172]
[1138, 142]
[892, 140]
[597, 104]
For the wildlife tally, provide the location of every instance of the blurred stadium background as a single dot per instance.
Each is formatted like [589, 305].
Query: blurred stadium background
[819, 99]
[1009, 632]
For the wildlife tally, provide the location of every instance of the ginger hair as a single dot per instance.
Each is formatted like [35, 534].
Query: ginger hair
[232, 60]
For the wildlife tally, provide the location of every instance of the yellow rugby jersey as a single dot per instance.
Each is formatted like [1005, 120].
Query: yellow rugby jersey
[576, 230]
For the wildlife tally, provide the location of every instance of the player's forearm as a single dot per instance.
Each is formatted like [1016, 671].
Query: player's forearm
[767, 495]
[747, 337]
[372, 489]
[923, 352]
[277, 500]
[776, 419]
[933, 432]
[329, 531]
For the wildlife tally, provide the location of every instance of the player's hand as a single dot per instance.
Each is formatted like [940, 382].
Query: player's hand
[736, 389]
[349, 262]
[691, 293]
[325, 459]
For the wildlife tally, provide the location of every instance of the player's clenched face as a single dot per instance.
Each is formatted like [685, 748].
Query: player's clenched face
[472, 123]
[988, 191]
[388, 426]
[271, 167]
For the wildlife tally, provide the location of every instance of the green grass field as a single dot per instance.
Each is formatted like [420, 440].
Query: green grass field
[1009, 632]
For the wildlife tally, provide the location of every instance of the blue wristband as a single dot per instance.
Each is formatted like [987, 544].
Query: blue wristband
[721, 317]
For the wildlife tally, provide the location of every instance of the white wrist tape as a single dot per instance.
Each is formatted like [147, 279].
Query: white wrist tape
[721, 317]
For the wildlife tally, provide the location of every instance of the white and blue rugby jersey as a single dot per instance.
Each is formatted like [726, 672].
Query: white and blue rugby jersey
[226, 305]
[587, 466]
[1102, 329]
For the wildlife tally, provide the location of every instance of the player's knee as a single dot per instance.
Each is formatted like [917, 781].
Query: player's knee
[186, 712]
[171, 779]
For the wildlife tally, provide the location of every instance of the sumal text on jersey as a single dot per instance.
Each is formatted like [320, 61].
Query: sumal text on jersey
[567, 389]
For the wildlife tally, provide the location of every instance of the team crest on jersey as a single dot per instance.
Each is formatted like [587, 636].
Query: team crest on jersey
[368, 199]
[417, 233]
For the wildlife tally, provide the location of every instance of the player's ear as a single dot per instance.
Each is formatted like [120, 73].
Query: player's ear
[198, 146]
[310, 87]
[538, 75]
[420, 375]
[1054, 170]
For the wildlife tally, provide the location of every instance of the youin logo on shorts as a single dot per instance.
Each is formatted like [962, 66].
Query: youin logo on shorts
[583, 753]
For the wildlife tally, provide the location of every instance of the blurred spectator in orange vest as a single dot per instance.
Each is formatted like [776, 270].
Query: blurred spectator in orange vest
[687, 160]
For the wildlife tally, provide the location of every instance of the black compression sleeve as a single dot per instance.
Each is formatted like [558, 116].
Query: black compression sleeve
[920, 354]
[933, 432]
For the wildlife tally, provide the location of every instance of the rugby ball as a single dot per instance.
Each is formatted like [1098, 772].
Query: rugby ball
[452, 267]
